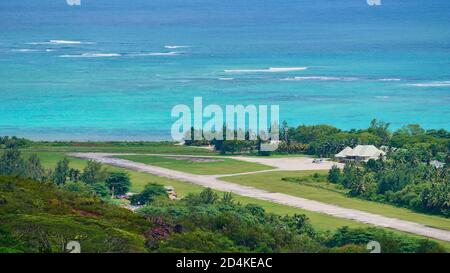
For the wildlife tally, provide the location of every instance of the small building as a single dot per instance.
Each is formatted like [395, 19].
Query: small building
[359, 153]
[437, 164]
[171, 192]
[342, 155]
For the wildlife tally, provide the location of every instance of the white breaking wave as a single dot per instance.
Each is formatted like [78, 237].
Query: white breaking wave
[320, 78]
[27, 50]
[382, 97]
[226, 79]
[389, 80]
[24, 50]
[431, 84]
[333, 78]
[175, 46]
[100, 55]
[173, 53]
[270, 70]
[91, 55]
[64, 42]
[60, 42]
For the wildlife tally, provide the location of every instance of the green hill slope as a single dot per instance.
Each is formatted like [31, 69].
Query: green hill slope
[38, 217]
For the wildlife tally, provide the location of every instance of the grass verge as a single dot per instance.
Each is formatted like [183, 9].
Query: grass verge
[198, 165]
[272, 181]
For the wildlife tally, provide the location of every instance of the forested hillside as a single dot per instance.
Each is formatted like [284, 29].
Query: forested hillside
[44, 217]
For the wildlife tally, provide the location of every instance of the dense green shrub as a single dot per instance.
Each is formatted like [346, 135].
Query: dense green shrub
[118, 183]
[225, 226]
[42, 217]
[150, 193]
[389, 242]
[13, 142]
[401, 179]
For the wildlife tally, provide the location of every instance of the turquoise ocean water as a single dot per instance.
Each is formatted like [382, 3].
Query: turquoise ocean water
[113, 70]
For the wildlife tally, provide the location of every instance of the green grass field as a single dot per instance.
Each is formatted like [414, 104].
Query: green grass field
[320, 221]
[118, 147]
[273, 182]
[190, 165]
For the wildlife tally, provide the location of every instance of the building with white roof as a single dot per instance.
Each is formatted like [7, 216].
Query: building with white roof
[359, 153]
[437, 164]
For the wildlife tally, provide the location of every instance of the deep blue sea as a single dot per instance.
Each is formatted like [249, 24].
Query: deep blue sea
[113, 69]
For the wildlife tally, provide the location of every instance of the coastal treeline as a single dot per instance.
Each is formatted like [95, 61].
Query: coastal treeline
[13, 142]
[327, 140]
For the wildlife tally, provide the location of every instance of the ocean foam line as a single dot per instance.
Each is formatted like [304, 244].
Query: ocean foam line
[389, 80]
[64, 42]
[99, 55]
[175, 46]
[320, 78]
[226, 79]
[334, 78]
[24, 50]
[173, 53]
[270, 70]
[91, 55]
[27, 50]
[431, 84]
[61, 42]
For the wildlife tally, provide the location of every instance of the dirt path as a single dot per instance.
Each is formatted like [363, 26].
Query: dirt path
[213, 182]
